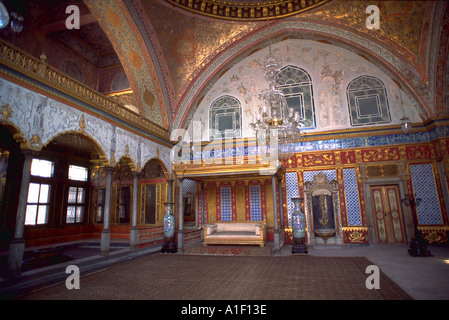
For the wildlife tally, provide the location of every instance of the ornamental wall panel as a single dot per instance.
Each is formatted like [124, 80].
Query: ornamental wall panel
[39, 119]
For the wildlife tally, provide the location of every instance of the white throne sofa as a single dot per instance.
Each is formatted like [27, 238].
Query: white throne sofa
[235, 233]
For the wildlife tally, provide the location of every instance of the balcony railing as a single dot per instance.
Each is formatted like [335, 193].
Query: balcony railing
[150, 234]
[39, 70]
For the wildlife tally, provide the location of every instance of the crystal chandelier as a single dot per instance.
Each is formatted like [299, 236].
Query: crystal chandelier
[274, 118]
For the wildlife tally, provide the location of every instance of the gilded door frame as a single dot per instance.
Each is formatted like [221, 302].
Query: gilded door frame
[388, 214]
[406, 213]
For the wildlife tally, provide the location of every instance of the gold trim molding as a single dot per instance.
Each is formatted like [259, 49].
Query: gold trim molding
[247, 10]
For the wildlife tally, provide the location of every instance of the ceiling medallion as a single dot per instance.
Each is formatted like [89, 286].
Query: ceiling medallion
[247, 10]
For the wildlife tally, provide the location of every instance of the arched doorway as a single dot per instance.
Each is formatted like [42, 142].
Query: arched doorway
[154, 193]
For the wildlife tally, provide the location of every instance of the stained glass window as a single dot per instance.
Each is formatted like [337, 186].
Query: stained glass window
[75, 205]
[367, 101]
[38, 199]
[225, 118]
[297, 87]
[37, 204]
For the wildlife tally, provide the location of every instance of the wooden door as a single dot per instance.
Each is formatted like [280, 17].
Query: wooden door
[387, 214]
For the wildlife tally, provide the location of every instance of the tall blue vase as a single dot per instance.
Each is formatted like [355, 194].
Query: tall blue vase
[298, 227]
[169, 230]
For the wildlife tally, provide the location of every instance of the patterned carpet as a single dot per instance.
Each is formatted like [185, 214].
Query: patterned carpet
[180, 277]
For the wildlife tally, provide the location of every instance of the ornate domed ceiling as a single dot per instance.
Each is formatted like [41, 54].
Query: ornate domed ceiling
[190, 43]
[172, 51]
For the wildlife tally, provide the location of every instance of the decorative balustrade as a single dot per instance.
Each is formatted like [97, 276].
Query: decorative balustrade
[40, 70]
[150, 234]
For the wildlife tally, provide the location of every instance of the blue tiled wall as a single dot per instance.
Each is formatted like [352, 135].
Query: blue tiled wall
[255, 205]
[352, 197]
[424, 187]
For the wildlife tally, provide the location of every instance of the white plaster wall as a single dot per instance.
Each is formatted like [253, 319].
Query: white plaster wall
[36, 115]
[245, 81]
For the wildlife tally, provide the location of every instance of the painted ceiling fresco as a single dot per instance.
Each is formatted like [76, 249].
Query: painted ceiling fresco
[405, 23]
[130, 47]
[189, 42]
[168, 56]
[190, 46]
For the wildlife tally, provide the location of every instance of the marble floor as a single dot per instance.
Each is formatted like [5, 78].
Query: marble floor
[423, 278]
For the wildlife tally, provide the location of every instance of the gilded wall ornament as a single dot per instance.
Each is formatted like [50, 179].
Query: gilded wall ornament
[6, 111]
[82, 123]
[35, 142]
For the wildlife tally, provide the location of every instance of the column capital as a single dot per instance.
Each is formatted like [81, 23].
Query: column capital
[108, 168]
[29, 153]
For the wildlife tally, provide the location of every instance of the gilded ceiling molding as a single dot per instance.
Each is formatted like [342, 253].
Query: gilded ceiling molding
[144, 24]
[441, 72]
[247, 10]
[388, 61]
[115, 20]
[28, 71]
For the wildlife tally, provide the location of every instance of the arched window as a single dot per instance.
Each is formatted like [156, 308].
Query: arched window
[367, 101]
[225, 119]
[297, 87]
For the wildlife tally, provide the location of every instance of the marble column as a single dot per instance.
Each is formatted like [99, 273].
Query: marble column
[281, 201]
[202, 204]
[17, 246]
[170, 190]
[281, 214]
[275, 216]
[181, 219]
[105, 234]
[133, 237]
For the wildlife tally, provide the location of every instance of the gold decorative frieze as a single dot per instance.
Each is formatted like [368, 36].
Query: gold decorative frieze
[355, 234]
[388, 170]
[380, 154]
[318, 159]
[246, 9]
[435, 234]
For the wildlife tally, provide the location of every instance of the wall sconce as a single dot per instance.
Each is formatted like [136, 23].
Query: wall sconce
[406, 124]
